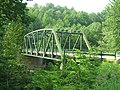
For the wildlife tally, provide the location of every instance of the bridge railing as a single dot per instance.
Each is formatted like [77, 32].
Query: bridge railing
[111, 55]
[108, 54]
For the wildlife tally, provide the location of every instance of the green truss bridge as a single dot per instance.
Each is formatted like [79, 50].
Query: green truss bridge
[53, 44]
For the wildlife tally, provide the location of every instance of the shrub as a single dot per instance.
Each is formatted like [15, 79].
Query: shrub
[108, 77]
[14, 75]
[73, 76]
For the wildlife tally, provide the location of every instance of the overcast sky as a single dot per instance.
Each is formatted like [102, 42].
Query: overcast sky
[79, 5]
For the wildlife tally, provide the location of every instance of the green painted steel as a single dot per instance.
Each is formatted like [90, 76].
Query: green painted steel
[51, 43]
[86, 41]
[58, 44]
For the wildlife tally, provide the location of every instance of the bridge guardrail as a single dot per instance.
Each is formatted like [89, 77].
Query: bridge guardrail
[101, 54]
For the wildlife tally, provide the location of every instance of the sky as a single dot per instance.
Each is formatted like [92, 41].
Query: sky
[79, 5]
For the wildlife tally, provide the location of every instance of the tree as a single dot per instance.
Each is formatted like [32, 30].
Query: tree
[93, 33]
[99, 17]
[51, 16]
[36, 13]
[14, 74]
[111, 29]
[13, 39]
[83, 18]
[11, 10]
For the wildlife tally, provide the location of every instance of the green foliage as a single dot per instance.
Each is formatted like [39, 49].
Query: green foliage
[51, 16]
[13, 39]
[73, 76]
[81, 73]
[111, 29]
[14, 75]
[12, 10]
[42, 80]
[108, 77]
[93, 33]
[98, 17]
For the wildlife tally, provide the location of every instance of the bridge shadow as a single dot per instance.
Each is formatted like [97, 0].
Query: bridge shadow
[36, 62]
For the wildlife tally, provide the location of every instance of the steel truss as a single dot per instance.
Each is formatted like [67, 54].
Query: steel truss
[50, 43]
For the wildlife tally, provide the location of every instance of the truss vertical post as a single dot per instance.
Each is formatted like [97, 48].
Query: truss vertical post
[37, 43]
[81, 41]
[52, 54]
[69, 41]
[43, 44]
[30, 45]
[26, 45]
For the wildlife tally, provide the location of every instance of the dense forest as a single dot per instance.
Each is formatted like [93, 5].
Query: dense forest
[101, 29]
[98, 27]
[59, 17]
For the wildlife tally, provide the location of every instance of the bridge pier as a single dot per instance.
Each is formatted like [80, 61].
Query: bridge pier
[35, 62]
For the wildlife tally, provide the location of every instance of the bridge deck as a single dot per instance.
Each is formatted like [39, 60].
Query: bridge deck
[42, 55]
